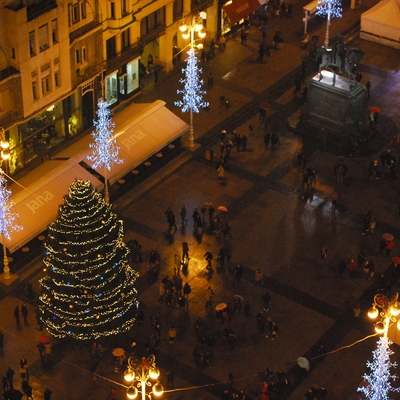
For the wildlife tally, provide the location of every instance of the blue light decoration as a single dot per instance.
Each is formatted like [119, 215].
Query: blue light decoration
[332, 9]
[105, 149]
[192, 92]
[379, 383]
[7, 216]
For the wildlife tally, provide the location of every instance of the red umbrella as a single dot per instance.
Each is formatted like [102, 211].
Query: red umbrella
[44, 339]
[375, 109]
[222, 208]
[396, 260]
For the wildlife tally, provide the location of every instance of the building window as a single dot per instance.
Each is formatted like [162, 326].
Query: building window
[74, 13]
[83, 9]
[34, 91]
[57, 79]
[84, 54]
[32, 44]
[46, 87]
[13, 53]
[78, 58]
[54, 33]
[152, 21]
[110, 44]
[124, 4]
[112, 10]
[43, 38]
[125, 38]
[178, 9]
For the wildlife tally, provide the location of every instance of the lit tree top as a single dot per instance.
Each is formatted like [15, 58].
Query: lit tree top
[7, 216]
[330, 8]
[192, 92]
[105, 151]
[379, 381]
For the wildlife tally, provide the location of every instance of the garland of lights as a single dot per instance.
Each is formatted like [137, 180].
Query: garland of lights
[379, 381]
[192, 92]
[89, 290]
[7, 215]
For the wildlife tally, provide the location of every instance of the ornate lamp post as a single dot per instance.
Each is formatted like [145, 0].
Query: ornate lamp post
[139, 374]
[388, 310]
[192, 93]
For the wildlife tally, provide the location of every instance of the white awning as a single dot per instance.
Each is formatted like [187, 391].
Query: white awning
[143, 135]
[38, 208]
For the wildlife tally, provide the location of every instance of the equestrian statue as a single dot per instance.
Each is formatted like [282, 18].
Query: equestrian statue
[340, 59]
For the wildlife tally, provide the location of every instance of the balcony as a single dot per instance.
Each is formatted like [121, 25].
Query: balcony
[43, 6]
[92, 25]
[7, 72]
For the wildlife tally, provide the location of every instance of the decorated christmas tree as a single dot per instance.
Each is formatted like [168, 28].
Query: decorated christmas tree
[89, 291]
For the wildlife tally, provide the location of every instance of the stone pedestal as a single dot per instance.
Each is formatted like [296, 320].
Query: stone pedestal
[338, 108]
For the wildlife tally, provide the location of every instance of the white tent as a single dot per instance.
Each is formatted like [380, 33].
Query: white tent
[381, 23]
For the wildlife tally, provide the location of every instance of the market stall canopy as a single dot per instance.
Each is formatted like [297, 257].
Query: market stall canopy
[38, 208]
[240, 9]
[143, 135]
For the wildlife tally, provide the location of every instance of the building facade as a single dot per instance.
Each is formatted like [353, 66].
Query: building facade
[59, 57]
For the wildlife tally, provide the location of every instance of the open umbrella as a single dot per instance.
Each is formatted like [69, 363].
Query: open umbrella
[303, 362]
[396, 260]
[387, 236]
[222, 208]
[118, 352]
[208, 204]
[240, 297]
[44, 339]
[375, 109]
[264, 105]
[220, 307]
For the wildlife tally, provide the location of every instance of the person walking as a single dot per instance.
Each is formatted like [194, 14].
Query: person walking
[238, 273]
[10, 377]
[221, 173]
[172, 335]
[389, 247]
[47, 394]
[210, 295]
[258, 277]
[16, 315]
[185, 252]
[324, 253]
[28, 391]
[24, 369]
[183, 215]
[267, 139]
[5, 385]
[210, 81]
[24, 310]
[352, 267]
[187, 290]
[334, 197]
[113, 394]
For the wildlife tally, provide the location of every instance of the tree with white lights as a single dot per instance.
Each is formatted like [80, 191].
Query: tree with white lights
[7, 220]
[332, 9]
[89, 290]
[105, 149]
[192, 92]
[379, 381]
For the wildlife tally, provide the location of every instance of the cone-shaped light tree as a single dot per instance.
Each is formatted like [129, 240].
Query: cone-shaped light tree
[332, 9]
[192, 93]
[105, 149]
[89, 290]
[379, 381]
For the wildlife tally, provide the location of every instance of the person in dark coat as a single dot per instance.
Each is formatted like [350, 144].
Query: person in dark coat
[47, 394]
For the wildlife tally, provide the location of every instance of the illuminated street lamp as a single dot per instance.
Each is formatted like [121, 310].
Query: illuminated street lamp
[192, 93]
[140, 374]
[388, 310]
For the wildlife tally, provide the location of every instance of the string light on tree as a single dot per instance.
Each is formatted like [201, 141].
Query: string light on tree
[89, 289]
[105, 149]
[7, 220]
[332, 9]
[379, 381]
[192, 99]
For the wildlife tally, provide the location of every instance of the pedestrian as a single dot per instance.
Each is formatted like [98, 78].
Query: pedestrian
[210, 295]
[210, 81]
[238, 273]
[272, 329]
[243, 37]
[352, 267]
[266, 298]
[28, 390]
[187, 290]
[335, 198]
[47, 394]
[5, 385]
[24, 369]
[369, 269]
[185, 252]
[195, 213]
[324, 253]
[172, 335]
[16, 315]
[230, 380]
[267, 139]
[368, 87]
[251, 132]
[170, 379]
[258, 277]
[221, 173]
[183, 215]
[10, 377]
[208, 257]
[113, 394]
[237, 304]
[24, 310]
[389, 247]
[394, 142]
[177, 264]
